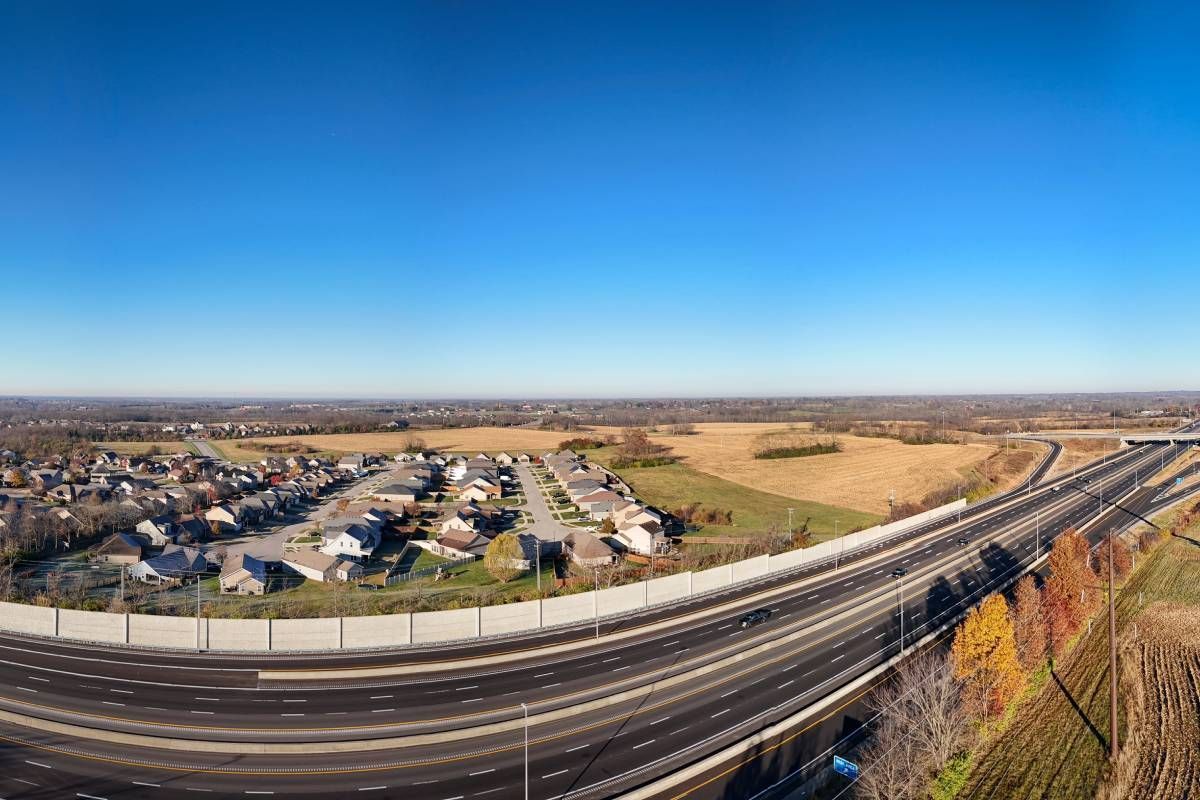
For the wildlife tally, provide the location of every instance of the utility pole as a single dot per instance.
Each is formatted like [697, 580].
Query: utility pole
[1037, 527]
[197, 610]
[790, 510]
[1114, 747]
[900, 589]
[537, 557]
[596, 600]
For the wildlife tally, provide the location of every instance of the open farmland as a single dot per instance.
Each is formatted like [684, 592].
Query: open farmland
[859, 477]
[1055, 747]
[140, 448]
[1161, 675]
[454, 440]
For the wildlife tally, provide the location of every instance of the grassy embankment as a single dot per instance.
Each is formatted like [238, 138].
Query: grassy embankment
[1056, 745]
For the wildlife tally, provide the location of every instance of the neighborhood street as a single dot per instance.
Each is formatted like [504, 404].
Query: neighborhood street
[269, 546]
[544, 526]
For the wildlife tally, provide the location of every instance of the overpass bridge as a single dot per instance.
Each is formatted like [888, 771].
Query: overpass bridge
[1165, 437]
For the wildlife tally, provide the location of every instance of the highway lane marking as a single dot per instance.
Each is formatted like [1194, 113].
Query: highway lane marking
[370, 788]
[784, 685]
[664, 719]
[43, 680]
[579, 747]
[111, 703]
[723, 627]
[547, 686]
[465, 688]
[843, 655]
[472, 700]
[785, 669]
[481, 772]
[122, 691]
[614, 658]
[27, 689]
[143, 783]
[384, 696]
[880, 636]
[38, 764]
[89, 796]
[381, 710]
[544, 674]
[291, 715]
[668, 644]
[719, 713]
[489, 791]
[210, 713]
[643, 744]
[732, 691]
[681, 730]
[555, 774]
[208, 699]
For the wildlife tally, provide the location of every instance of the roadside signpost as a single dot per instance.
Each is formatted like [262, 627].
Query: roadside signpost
[844, 767]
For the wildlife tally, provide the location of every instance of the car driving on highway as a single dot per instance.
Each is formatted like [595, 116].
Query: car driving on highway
[755, 617]
[899, 572]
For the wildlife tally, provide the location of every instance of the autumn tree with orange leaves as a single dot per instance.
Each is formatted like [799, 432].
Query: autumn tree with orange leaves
[1029, 624]
[1070, 592]
[1122, 559]
[985, 658]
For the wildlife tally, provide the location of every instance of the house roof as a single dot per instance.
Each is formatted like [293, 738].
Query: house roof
[253, 568]
[120, 544]
[585, 545]
[313, 559]
[176, 560]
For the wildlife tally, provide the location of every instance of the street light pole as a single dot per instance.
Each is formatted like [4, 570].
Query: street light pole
[596, 601]
[525, 711]
[537, 557]
[1037, 524]
[197, 610]
[900, 588]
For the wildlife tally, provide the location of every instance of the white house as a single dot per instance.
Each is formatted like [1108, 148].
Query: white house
[172, 566]
[322, 567]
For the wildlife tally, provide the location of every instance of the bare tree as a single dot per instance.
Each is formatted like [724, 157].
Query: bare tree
[922, 723]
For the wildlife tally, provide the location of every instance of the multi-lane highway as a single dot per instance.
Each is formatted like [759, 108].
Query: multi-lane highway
[657, 692]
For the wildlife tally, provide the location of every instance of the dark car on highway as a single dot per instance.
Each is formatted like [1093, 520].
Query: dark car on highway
[899, 572]
[962, 540]
[755, 617]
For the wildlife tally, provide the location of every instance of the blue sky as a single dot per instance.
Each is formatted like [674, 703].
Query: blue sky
[561, 199]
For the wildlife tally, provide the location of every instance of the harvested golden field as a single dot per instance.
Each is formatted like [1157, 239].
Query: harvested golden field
[1160, 676]
[141, 448]
[859, 477]
[453, 440]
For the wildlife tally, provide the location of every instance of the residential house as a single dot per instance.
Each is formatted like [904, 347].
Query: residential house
[227, 515]
[524, 458]
[599, 504]
[586, 550]
[397, 493]
[323, 567]
[352, 462]
[352, 537]
[46, 479]
[120, 548]
[159, 531]
[243, 574]
[505, 459]
[171, 566]
[460, 544]
[643, 538]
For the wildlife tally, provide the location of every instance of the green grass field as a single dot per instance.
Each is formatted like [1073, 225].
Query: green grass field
[674, 485]
[1056, 745]
[138, 448]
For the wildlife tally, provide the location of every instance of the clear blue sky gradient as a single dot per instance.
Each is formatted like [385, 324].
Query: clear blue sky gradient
[535, 199]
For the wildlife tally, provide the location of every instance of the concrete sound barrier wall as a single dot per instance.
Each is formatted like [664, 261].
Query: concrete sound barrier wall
[239, 634]
[36, 620]
[620, 599]
[664, 590]
[92, 626]
[509, 618]
[441, 626]
[749, 569]
[383, 631]
[709, 579]
[151, 631]
[569, 608]
[306, 634]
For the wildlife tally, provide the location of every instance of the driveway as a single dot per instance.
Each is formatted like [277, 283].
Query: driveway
[545, 526]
